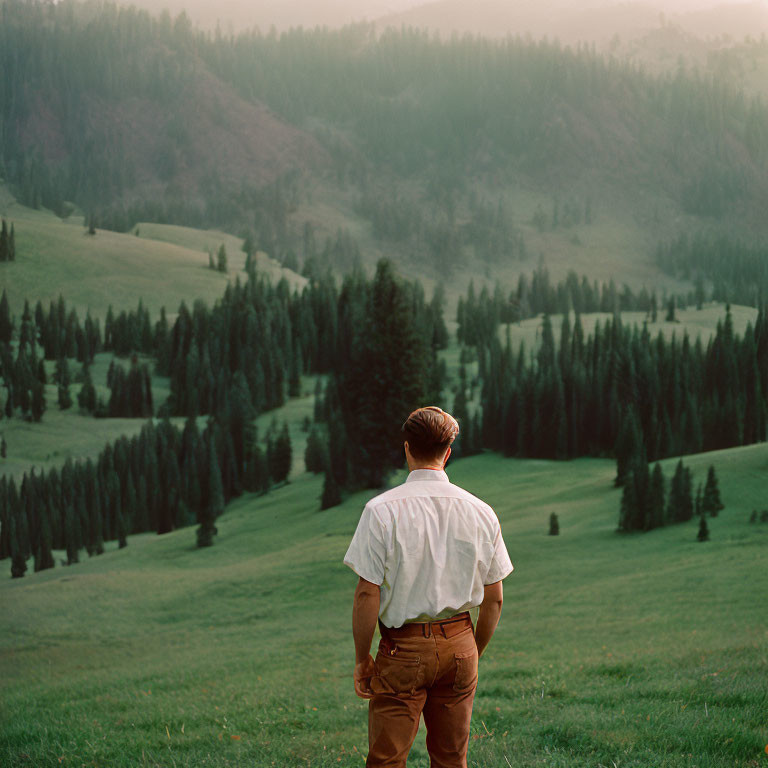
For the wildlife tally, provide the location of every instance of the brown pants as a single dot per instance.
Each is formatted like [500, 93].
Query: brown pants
[429, 668]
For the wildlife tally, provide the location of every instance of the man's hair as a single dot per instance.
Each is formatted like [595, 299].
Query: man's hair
[429, 431]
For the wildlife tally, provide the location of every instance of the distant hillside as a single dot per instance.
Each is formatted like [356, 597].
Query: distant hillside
[602, 23]
[101, 105]
[723, 40]
[162, 267]
[327, 147]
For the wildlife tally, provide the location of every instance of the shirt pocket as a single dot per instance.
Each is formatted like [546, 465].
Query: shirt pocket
[466, 671]
[399, 673]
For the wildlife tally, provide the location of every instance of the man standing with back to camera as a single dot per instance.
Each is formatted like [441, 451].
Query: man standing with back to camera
[426, 552]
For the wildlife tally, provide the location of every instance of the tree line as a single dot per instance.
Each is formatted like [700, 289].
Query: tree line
[376, 339]
[7, 242]
[647, 504]
[737, 270]
[159, 480]
[581, 397]
[479, 314]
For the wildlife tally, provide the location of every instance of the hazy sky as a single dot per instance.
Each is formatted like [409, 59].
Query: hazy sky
[239, 14]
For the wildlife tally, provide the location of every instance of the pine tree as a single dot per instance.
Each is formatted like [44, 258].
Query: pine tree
[257, 472]
[314, 454]
[281, 456]
[671, 317]
[37, 407]
[554, 525]
[43, 550]
[6, 324]
[18, 559]
[703, 534]
[86, 398]
[629, 503]
[712, 504]
[687, 496]
[629, 446]
[656, 498]
[71, 534]
[331, 494]
[62, 378]
[215, 505]
[221, 259]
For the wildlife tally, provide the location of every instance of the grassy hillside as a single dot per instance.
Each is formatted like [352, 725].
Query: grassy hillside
[613, 650]
[163, 266]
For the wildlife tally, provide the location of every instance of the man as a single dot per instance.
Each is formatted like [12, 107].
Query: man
[426, 552]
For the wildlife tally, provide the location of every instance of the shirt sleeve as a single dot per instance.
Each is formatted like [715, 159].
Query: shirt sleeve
[367, 553]
[501, 566]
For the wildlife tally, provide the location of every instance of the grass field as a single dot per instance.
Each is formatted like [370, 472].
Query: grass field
[163, 266]
[614, 651]
[697, 323]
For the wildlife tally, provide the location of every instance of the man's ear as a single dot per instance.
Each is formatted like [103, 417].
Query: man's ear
[447, 456]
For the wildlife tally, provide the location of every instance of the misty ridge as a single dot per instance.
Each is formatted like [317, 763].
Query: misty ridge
[457, 155]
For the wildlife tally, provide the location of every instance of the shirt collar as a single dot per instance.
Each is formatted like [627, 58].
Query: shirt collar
[417, 475]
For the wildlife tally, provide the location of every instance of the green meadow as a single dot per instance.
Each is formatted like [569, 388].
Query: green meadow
[162, 266]
[613, 650]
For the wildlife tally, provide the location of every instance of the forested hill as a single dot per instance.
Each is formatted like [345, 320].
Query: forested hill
[135, 118]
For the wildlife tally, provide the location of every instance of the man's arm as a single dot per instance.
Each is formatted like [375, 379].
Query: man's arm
[488, 618]
[365, 613]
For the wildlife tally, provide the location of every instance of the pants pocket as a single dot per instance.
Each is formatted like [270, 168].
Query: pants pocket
[466, 671]
[396, 674]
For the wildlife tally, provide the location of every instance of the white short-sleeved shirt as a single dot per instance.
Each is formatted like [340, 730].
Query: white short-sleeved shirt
[431, 546]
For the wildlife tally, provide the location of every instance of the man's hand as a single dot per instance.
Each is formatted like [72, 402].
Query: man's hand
[365, 612]
[364, 671]
[488, 618]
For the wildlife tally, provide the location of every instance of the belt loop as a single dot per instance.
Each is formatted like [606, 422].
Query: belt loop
[427, 629]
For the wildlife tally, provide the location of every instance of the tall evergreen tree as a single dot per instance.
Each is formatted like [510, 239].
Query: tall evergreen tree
[331, 496]
[6, 324]
[703, 534]
[711, 503]
[86, 398]
[629, 446]
[63, 382]
[37, 404]
[18, 558]
[281, 455]
[71, 534]
[221, 259]
[554, 525]
[314, 455]
[215, 506]
[656, 505]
